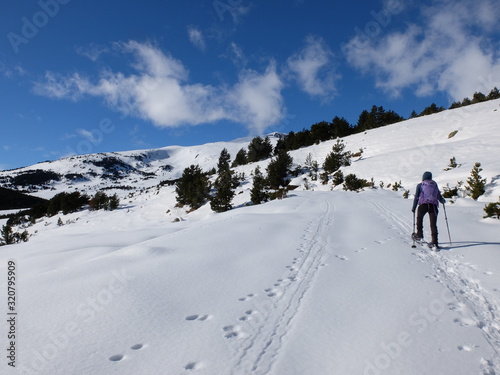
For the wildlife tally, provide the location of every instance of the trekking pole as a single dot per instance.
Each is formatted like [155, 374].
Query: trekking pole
[413, 234]
[447, 226]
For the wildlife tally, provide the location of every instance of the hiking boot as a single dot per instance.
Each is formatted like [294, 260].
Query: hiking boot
[416, 237]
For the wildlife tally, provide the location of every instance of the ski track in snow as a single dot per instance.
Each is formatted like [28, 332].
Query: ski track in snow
[258, 337]
[476, 307]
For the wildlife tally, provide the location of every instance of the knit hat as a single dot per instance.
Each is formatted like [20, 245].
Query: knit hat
[427, 176]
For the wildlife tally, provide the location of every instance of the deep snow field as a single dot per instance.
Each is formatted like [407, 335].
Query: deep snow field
[322, 282]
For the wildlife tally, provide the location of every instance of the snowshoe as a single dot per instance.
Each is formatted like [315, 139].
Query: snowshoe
[434, 247]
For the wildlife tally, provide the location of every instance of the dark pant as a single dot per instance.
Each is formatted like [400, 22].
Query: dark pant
[432, 210]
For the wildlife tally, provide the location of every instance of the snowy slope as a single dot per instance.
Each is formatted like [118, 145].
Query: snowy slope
[323, 282]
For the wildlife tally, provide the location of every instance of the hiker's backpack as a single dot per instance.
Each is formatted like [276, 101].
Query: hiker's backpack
[429, 192]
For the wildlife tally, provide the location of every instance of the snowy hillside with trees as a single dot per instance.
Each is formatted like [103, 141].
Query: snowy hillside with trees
[323, 281]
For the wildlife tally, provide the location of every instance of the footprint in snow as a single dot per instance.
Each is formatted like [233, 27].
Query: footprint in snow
[200, 318]
[247, 297]
[272, 292]
[192, 366]
[248, 315]
[232, 332]
[467, 348]
[341, 257]
[120, 357]
[116, 358]
[466, 322]
[457, 307]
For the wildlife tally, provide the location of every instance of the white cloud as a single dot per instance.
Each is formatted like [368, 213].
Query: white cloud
[235, 8]
[85, 134]
[12, 72]
[237, 55]
[258, 100]
[313, 68]
[196, 37]
[92, 51]
[159, 92]
[450, 50]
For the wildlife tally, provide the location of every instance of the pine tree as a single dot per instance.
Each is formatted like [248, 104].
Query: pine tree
[433, 108]
[258, 193]
[240, 159]
[337, 158]
[278, 170]
[365, 121]
[7, 235]
[478, 97]
[99, 201]
[312, 166]
[321, 132]
[341, 127]
[476, 184]
[114, 202]
[466, 102]
[354, 183]
[224, 183]
[494, 94]
[338, 178]
[492, 209]
[192, 188]
[259, 149]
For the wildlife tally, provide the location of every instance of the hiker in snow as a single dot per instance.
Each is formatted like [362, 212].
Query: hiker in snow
[427, 197]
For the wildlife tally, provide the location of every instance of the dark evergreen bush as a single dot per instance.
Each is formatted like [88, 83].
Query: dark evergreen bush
[258, 193]
[224, 185]
[492, 210]
[337, 158]
[278, 170]
[193, 187]
[353, 183]
[476, 184]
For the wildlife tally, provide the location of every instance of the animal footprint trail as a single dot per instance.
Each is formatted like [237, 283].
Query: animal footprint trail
[121, 357]
[257, 342]
[341, 257]
[247, 297]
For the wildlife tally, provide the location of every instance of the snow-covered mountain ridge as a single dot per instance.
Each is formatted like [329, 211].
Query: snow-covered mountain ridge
[399, 152]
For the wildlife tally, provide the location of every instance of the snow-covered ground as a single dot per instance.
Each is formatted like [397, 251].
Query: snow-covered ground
[323, 282]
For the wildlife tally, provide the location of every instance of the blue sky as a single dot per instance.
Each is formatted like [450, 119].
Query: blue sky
[95, 76]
